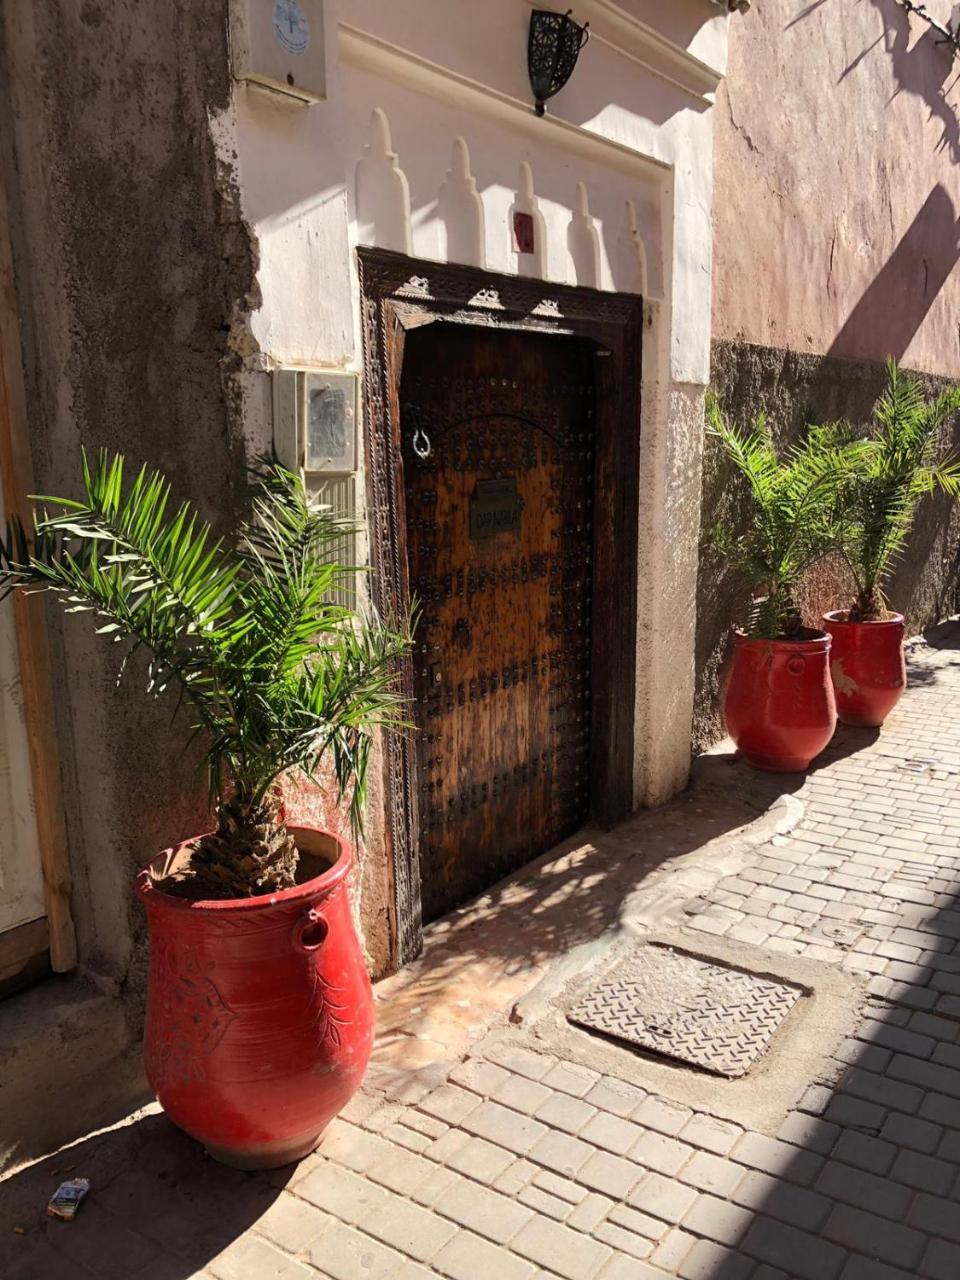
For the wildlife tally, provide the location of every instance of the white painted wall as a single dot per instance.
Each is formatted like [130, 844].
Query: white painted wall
[634, 124]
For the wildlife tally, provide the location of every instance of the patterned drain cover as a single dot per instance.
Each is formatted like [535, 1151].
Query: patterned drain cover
[704, 1014]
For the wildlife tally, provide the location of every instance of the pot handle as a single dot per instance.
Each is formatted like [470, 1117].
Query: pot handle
[796, 665]
[310, 932]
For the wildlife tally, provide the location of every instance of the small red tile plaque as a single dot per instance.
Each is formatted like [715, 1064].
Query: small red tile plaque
[523, 232]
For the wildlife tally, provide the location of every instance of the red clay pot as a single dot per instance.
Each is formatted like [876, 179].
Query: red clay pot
[259, 1010]
[867, 666]
[779, 706]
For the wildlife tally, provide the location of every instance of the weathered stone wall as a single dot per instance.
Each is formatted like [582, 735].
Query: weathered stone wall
[836, 212]
[132, 269]
[794, 389]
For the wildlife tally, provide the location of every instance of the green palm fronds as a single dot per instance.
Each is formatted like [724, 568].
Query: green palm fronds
[900, 463]
[790, 523]
[279, 677]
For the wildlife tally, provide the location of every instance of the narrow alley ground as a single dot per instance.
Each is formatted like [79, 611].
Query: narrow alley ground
[496, 1140]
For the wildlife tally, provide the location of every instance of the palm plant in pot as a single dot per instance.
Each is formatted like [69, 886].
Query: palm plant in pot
[779, 704]
[900, 463]
[259, 1011]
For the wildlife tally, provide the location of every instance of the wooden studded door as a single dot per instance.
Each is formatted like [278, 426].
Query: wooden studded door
[497, 433]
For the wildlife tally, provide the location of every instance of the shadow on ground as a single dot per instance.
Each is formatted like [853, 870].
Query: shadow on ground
[186, 1208]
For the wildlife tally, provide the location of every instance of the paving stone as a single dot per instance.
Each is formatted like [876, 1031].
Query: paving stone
[662, 1115]
[863, 1190]
[353, 1147]
[486, 1212]
[883, 1090]
[855, 1113]
[712, 1173]
[611, 1133]
[433, 1185]
[508, 1129]
[870, 1269]
[718, 1220]
[479, 1076]
[663, 1197]
[865, 1152]
[521, 1061]
[941, 1261]
[935, 1216]
[662, 1154]
[401, 1171]
[449, 1103]
[516, 1176]
[557, 1186]
[410, 1228]
[880, 1238]
[616, 1096]
[251, 1256]
[809, 1132]
[292, 1223]
[640, 1224]
[611, 1175]
[569, 1253]
[561, 1111]
[675, 1246]
[590, 1212]
[342, 1194]
[941, 1110]
[480, 1160]
[717, 1136]
[561, 1153]
[409, 1139]
[806, 1256]
[467, 1257]
[707, 1261]
[778, 1158]
[344, 1254]
[623, 1241]
[541, 1201]
[924, 1172]
[910, 1131]
[520, 1094]
[570, 1077]
[627, 1269]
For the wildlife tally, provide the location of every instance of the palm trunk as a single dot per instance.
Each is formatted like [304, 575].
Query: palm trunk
[251, 852]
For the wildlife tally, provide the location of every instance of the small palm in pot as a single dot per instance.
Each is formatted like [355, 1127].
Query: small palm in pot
[779, 705]
[901, 462]
[278, 676]
[260, 1017]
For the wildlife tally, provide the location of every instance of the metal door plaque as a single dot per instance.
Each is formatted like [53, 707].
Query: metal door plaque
[495, 508]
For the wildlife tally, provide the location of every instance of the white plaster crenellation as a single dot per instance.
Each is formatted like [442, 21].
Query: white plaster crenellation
[583, 242]
[529, 264]
[383, 194]
[461, 211]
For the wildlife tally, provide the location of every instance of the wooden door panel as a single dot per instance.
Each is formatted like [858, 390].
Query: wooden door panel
[497, 443]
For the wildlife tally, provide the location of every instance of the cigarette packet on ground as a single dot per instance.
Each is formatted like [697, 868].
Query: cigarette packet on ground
[66, 1199]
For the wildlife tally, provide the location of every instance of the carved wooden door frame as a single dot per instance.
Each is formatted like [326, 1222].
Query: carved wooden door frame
[399, 293]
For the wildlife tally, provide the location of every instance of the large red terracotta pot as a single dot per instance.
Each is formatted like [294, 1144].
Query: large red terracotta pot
[867, 666]
[779, 705]
[259, 1010]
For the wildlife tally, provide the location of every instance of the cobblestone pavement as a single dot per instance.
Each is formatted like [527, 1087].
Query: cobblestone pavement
[483, 1149]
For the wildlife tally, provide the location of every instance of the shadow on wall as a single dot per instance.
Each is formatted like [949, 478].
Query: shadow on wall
[927, 69]
[795, 389]
[896, 302]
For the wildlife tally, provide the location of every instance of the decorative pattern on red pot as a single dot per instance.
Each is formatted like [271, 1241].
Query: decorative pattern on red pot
[867, 666]
[779, 705]
[260, 1015]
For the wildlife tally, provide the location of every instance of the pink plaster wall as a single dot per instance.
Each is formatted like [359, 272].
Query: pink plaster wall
[838, 183]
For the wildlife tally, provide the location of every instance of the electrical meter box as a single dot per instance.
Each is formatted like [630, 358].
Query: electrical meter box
[315, 432]
[279, 44]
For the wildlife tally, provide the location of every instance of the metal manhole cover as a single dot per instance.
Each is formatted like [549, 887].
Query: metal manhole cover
[705, 1014]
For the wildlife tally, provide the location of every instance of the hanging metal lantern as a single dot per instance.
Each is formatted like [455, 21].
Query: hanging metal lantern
[552, 51]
